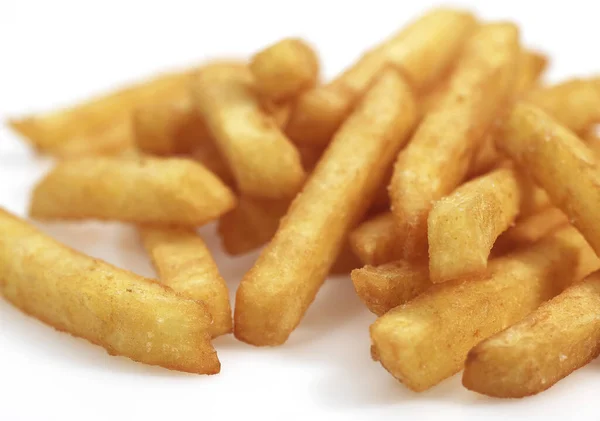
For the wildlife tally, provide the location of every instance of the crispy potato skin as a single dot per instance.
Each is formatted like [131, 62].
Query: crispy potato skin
[374, 240]
[264, 162]
[423, 50]
[463, 226]
[437, 158]
[184, 263]
[427, 340]
[124, 313]
[275, 293]
[559, 162]
[529, 357]
[140, 190]
[387, 286]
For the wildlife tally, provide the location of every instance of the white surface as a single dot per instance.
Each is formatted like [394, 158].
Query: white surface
[55, 52]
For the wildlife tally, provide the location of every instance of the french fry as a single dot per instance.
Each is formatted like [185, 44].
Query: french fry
[387, 286]
[549, 344]
[275, 293]
[345, 262]
[184, 264]
[423, 50]
[124, 313]
[285, 69]
[264, 162]
[559, 162]
[140, 190]
[374, 240]
[427, 340]
[208, 154]
[437, 158]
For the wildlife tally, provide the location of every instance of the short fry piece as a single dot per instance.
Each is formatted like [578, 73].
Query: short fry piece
[427, 340]
[285, 69]
[141, 190]
[184, 263]
[374, 241]
[437, 158]
[387, 286]
[275, 293]
[548, 345]
[124, 313]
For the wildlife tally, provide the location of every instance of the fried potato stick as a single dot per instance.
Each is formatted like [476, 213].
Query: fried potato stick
[275, 293]
[139, 190]
[529, 357]
[122, 312]
[374, 240]
[559, 162]
[264, 162]
[184, 263]
[437, 158]
[427, 340]
[423, 50]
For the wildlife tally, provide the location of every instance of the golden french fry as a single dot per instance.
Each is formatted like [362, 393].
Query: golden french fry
[374, 240]
[124, 313]
[285, 69]
[264, 162]
[427, 340]
[545, 347]
[423, 50]
[140, 190]
[437, 158]
[185, 265]
[558, 161]
[209, 155]
[275, 293]
[345, 262]
[387, 286]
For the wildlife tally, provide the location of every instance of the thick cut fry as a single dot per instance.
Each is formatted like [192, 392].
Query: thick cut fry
[142, 190]
[184, 264]
[548, 345]
[374, 240]
[124, 313]
[264, 162]
[209, 155]
[427, 340]
[274, 295]
[463, 226]
[559, 162]
[437, 158]
[387, 286]
[423, 50]
[531, 68]
[285, 69]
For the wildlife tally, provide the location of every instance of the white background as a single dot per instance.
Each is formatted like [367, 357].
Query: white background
[55, 52]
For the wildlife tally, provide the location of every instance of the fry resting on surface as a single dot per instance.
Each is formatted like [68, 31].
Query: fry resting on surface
[374, 240]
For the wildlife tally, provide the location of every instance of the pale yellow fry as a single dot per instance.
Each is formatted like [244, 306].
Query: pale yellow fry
[374, 240]
[423, 50]
[545, 347]
[438, 156]
[274, 295]
[140, 190]
[427, 340]
[124, 313]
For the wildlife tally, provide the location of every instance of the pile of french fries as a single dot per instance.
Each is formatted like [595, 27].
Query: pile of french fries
[458, 189]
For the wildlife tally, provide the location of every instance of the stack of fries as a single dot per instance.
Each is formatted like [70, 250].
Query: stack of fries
[464, 186]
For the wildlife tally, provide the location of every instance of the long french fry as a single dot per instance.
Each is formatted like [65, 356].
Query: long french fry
[558, 161]
[140, 190]
[437, 157]
[275, 293]
[184, 263]
[374, 240]
[124, 313]
[427, 340]
[545, 347]
[423, 50]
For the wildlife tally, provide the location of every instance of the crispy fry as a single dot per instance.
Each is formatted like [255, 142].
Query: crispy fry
[427, 340]
[559, 162]
[387, 286]
[548, 345]
[285, 69]
[274, 295]
[141, 190]
[209, 155]
[124, 313]
[263, 161]
[184, 264]
[424, 50]
[374, 240]
[437, 158]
